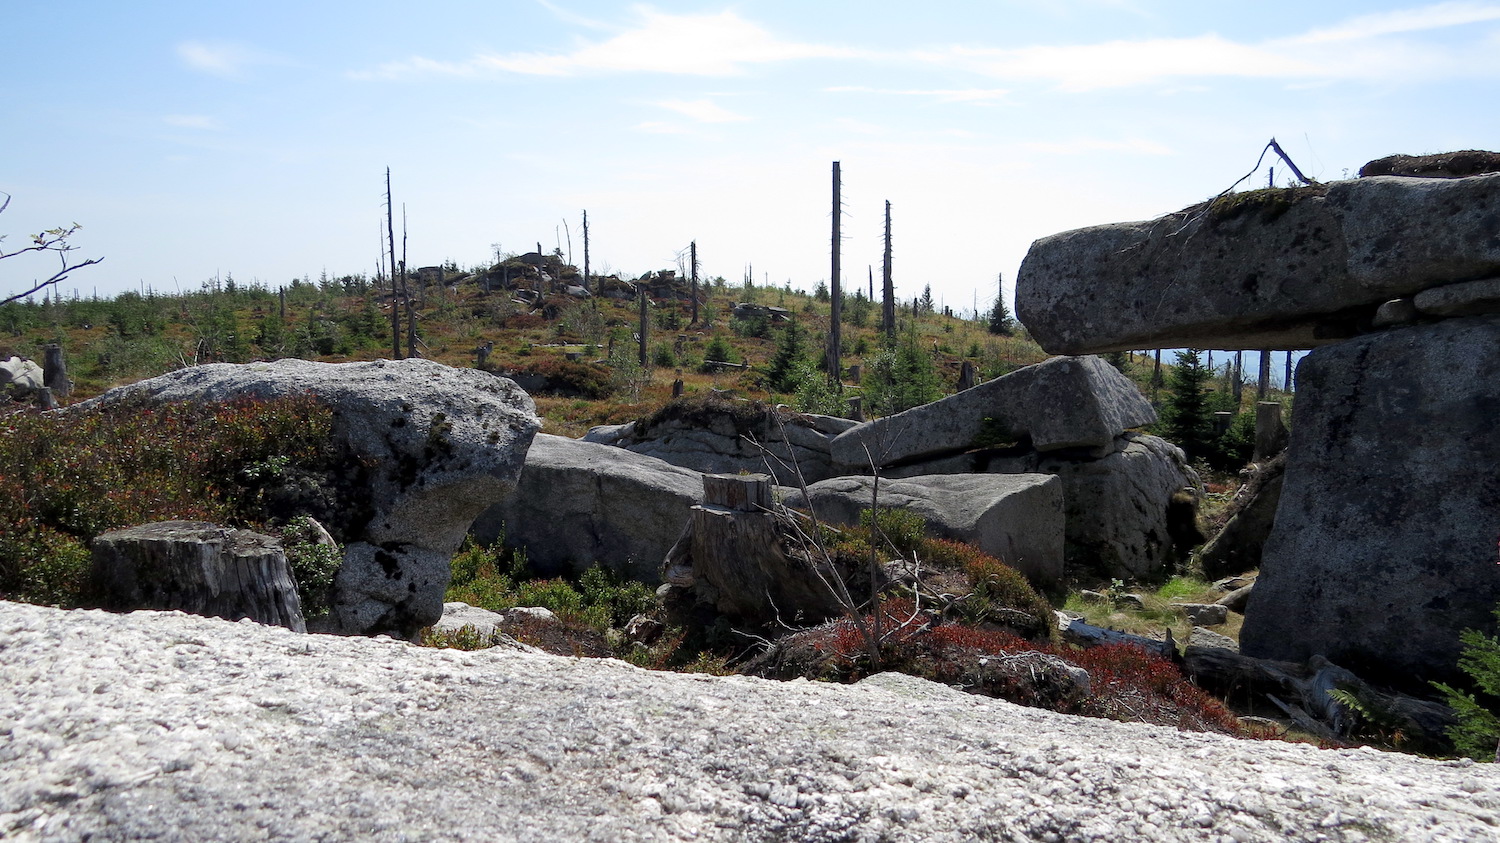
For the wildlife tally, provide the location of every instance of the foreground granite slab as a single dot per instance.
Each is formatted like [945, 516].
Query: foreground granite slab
[166, 726]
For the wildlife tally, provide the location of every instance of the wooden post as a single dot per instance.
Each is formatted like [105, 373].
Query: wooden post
[855, 373]
[835, 285]
[55, 371]
[888, 303]
[677, 387]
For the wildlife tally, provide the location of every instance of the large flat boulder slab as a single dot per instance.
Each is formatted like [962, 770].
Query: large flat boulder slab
[1383, 548]
[437, 445]
[1015, 518]
[1129, 514]
[580, 503]
[1065, 402]
[159, 726]
[719, 436]
[1285, 268]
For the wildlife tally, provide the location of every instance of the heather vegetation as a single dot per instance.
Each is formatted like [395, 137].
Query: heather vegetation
[66, 478]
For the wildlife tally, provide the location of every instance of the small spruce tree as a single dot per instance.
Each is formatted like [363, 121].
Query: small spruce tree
[927, 305]
[791, 349]
[1477, 732]
[1186, 419]
[1001, 324]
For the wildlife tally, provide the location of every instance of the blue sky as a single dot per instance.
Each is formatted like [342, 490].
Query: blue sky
[191, 139]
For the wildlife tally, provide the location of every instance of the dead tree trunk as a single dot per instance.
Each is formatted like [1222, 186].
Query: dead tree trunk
[693, 259]
[586, 287]
[1239, 378]
[888, 302]
[390, 233]
[835, 285]
[1264, 384]
[645, 322]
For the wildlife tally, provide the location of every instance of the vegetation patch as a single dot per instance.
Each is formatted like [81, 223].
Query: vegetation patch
[66, 478]
[1267, 204]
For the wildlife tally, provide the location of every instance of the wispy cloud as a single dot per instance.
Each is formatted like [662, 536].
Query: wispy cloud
[1082, 145]
[941, 95]
[1360, 47]
[193, 121]
[704, 111]
[654, 127]
[1439, 16]
[572, 17]
[1116, 64]
[222, 58]
[722, 44]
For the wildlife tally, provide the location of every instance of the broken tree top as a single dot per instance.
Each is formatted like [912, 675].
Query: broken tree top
[1280, 268]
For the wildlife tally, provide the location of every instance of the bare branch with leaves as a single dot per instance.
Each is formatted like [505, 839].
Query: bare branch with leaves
[53, 240]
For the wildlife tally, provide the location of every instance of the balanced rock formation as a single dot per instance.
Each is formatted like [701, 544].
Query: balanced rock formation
[578, 503]
[199, 568]
[718, 436]
[440, 444]
[161, 726]
[1384, 543]
[1289, 268]
[1015, 518]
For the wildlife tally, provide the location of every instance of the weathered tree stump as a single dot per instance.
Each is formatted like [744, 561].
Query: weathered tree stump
[198, 568]
[1270, 432]
[55, 371]
[731, 555]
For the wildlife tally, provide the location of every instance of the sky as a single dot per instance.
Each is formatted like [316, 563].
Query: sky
[195, 140]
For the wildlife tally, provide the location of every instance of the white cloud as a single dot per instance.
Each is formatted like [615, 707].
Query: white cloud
[193, 121]
[941, 95]
[704, 111]
[722, 44]
[223, 58]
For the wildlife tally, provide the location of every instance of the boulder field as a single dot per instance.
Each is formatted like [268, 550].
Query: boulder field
[159, 725]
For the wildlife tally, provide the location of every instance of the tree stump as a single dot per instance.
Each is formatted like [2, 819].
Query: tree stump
[731, 553]
[198, 568]
[55, 371]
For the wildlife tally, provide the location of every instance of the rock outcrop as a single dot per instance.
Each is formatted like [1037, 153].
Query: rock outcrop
[718, 436]
[199, 568]
[578, 503]
[158, 726]
[1065, 402]
[1129, 514]
[439, 443]
[1289, 268]
[1384, 542]
[1017, 518]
